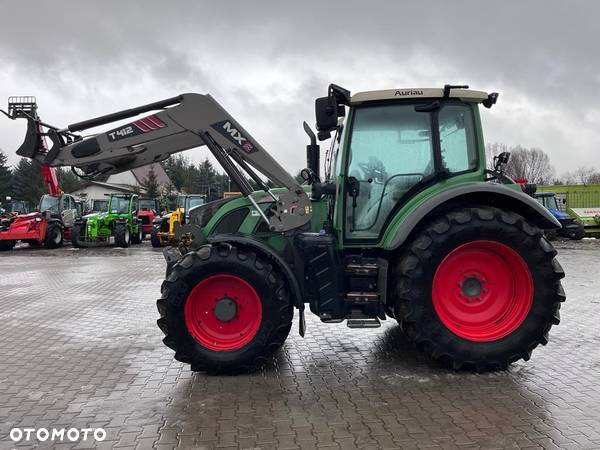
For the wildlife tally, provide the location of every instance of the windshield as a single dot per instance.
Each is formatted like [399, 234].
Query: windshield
[391, 149]
[50, 203]
[549, 201]
[119, 205]
[100, 205]
[148, 204]
[194, 201]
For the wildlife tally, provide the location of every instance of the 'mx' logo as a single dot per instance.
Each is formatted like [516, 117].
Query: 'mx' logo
[227, 129]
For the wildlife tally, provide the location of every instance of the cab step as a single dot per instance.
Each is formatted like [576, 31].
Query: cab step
[361, 297]
[362, 269]
[363, 323]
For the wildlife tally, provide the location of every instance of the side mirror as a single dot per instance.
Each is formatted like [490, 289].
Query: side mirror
[326, 112]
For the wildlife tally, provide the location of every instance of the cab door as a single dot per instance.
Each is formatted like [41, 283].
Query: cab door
[69, 211]
[396, 150]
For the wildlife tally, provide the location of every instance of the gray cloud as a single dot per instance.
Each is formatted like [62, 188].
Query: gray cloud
[267, 61]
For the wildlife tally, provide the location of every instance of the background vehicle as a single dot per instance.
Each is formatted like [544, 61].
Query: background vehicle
[163, 231]
[407, 223]
[148, 211]
[120, 222]
[571, 227]
[57, 211]
[10, 206]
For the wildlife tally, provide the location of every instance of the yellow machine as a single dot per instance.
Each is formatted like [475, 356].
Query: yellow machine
[163, 231]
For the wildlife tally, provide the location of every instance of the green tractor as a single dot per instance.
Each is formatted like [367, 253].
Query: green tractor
[406, 223]
[119, 221]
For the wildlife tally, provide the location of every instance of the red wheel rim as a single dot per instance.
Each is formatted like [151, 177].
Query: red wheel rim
[482, 291]
[207, 324]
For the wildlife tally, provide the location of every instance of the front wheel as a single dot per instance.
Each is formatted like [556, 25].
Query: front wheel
[478, 288]
[54, 236]
[77, 235]
[122, 235]
[224, 309]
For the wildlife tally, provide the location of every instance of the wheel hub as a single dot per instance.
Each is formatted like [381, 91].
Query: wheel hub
[225, 309]
[472, 287]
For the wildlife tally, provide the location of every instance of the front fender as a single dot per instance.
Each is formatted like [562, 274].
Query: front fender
[268, 253]
[468, 194]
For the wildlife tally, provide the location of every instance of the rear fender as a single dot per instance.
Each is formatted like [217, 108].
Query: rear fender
[490, 194]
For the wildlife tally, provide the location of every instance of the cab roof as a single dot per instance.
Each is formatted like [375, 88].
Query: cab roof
[467, 95]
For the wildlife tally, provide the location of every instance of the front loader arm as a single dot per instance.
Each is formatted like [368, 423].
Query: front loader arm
[180, 123]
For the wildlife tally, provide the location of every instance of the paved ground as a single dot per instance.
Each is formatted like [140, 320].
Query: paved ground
[79, 348]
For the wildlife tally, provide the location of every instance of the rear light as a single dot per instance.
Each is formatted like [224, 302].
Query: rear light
[38, 219]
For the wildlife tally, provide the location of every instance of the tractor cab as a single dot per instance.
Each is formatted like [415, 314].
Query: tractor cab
[186, 202]
[63, 207]
[394, 147]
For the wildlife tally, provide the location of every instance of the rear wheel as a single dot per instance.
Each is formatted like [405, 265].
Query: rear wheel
[54, 236]
[154, 239]
[7, 245]
[122, 235]
[478, 288]
[137, 236]
[224, 309]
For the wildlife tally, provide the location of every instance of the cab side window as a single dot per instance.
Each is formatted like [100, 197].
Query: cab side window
[457, 138]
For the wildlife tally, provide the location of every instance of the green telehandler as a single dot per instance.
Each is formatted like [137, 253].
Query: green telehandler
[406, 222]
[119, 222]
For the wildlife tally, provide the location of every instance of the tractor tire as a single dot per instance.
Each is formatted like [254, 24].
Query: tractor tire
[54, 236]
[247, 291]
[7, 245]
[122, 235]
[154, 239]
[138, 236]
[76, 233]
[478, 288]
[579, 234]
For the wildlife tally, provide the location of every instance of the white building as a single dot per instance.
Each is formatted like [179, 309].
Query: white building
[126, 182]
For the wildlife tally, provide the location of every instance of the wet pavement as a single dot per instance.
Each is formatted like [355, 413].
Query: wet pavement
[79, 348]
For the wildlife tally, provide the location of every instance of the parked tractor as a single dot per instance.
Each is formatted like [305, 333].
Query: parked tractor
[406, 223]
[572, 227]
[149, 211]
[163, 230]
[120, 222]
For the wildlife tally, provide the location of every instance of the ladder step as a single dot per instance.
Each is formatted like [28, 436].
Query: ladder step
[363, 269]
[362, 297]
[363, 323]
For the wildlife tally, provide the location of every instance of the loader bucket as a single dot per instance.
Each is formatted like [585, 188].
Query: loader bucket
[25, 107]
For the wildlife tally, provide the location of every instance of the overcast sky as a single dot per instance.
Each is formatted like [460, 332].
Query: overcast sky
[265, 62]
